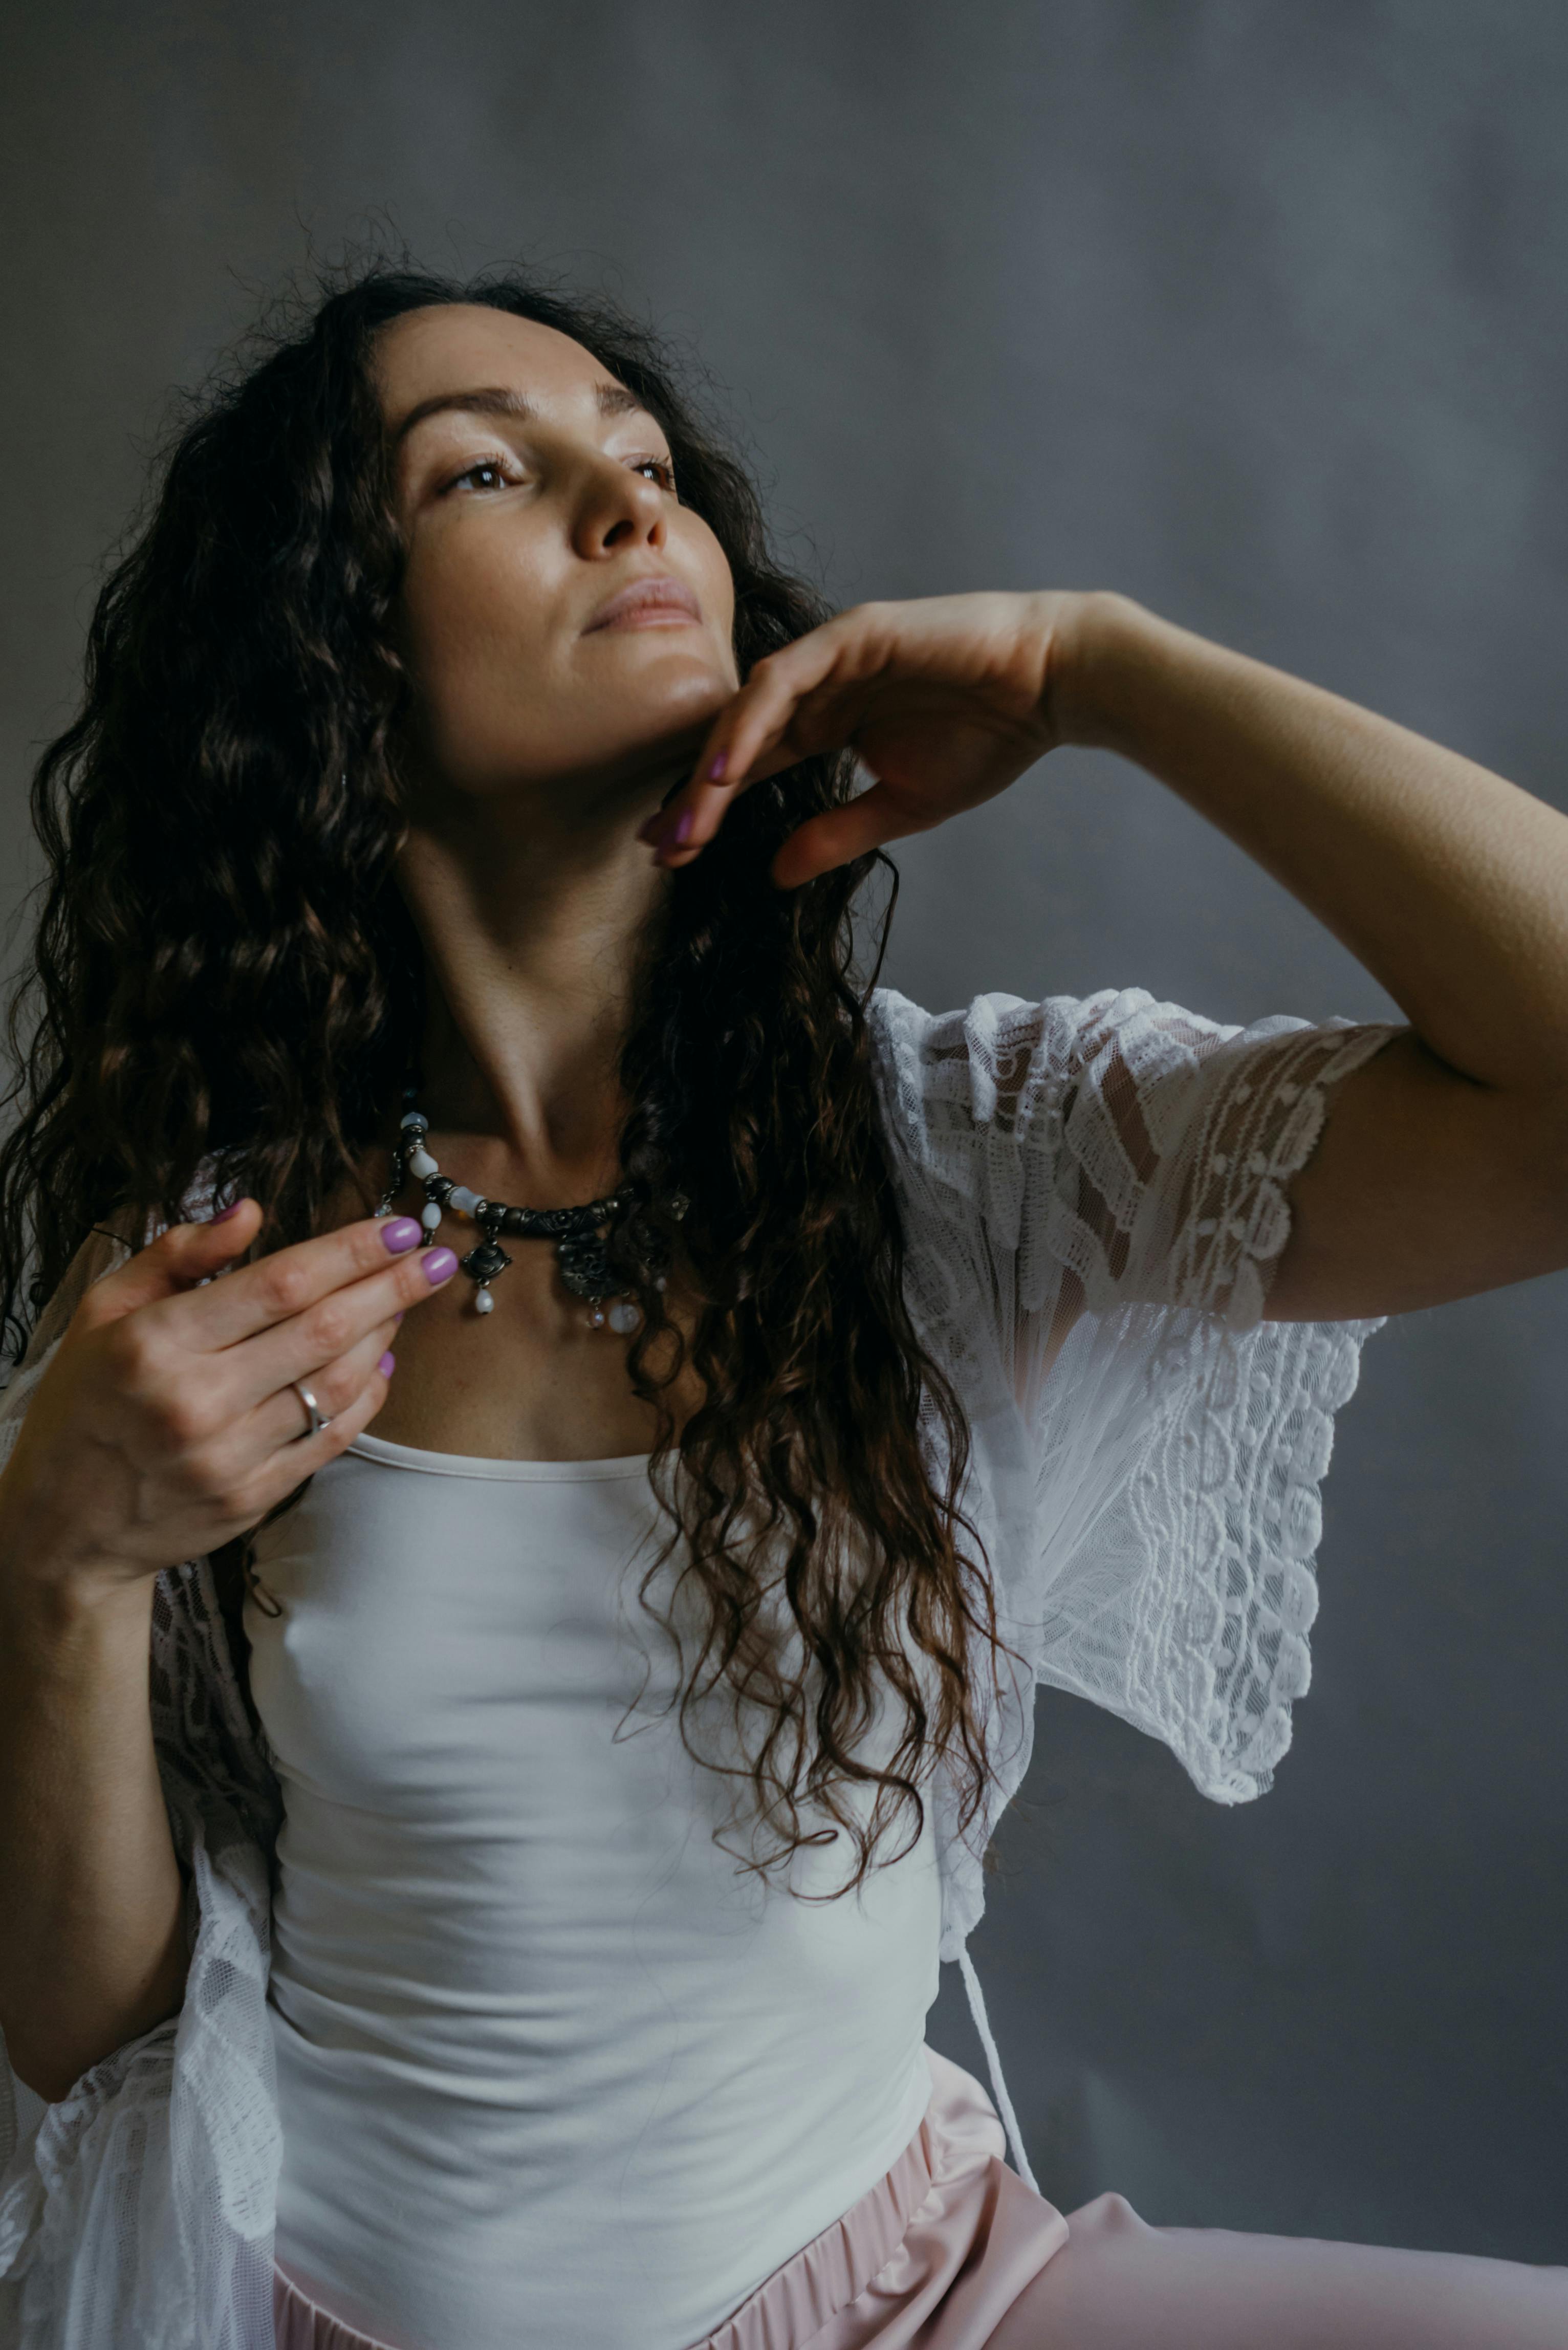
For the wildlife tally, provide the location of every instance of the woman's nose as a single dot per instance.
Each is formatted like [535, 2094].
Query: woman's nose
[618, 510]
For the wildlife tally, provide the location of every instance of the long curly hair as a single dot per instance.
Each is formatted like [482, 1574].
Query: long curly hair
[224, 978]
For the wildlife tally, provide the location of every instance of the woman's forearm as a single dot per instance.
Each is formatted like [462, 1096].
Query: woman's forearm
[1449, 885]
[92, 1948]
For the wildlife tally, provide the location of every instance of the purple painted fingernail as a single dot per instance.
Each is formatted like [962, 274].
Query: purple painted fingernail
[717, 765]
[401, 1233]
[224, 1214]
[677, 837]
[387, 1365]
[398, 1317]
[440, 1264]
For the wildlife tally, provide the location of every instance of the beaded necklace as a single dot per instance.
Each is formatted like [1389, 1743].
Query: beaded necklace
[580, 1234]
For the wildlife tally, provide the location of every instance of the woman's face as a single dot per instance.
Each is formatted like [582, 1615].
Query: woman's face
[565, 616]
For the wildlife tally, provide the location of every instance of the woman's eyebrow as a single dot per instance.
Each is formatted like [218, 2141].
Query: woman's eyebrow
[498, 399]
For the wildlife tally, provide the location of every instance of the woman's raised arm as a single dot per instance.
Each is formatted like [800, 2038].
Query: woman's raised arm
[1444, 1167]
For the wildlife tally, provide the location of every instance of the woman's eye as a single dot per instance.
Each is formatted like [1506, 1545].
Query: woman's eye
[488, 474]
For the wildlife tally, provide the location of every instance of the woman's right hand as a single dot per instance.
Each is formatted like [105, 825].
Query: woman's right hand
[167, 1422]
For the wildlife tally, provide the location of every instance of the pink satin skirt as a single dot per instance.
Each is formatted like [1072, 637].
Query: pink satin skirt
[951, 2250]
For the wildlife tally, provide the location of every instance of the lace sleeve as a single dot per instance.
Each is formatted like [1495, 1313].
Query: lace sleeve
[1095, 1192]
[140, 2207]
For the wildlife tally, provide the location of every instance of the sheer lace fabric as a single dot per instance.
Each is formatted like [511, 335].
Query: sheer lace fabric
[1093, 1193]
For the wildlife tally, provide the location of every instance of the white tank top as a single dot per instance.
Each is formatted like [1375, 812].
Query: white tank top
[550, 2068]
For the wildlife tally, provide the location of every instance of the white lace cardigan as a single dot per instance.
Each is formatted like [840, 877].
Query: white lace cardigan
[1092, 1194]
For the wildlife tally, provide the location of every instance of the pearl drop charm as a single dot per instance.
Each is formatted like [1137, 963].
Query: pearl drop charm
[625, 1316]
[483, 1303]
[430, 1215]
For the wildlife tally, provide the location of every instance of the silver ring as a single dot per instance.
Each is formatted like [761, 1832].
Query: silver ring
[318, 1418]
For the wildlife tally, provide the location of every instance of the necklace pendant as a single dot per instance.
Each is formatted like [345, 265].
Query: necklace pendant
[585, 1267]
[580, 1237]
[485, 1262]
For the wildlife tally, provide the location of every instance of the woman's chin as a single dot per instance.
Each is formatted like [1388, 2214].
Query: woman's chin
[611, 731]
[672, 700]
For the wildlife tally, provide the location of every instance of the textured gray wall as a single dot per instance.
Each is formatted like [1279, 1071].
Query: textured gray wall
[1258, 313]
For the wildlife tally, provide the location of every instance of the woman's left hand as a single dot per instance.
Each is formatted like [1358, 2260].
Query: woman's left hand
[945, 701]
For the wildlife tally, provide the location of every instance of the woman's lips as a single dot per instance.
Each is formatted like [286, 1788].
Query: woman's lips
[648, 604]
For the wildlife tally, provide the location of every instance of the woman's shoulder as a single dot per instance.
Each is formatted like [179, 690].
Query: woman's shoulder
[106, 1247]
[116, 1236]
[1005, 1063]
[1004, 1056]
[1004, 1025]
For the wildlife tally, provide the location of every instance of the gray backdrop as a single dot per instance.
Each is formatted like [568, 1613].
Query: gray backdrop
[1256, 312]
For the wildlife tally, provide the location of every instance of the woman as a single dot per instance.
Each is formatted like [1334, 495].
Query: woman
[514, 1917]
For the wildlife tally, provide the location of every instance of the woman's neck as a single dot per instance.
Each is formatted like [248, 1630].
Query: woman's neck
[532, 933]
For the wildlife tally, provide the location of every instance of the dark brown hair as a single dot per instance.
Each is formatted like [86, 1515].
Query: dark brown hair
[224, 971]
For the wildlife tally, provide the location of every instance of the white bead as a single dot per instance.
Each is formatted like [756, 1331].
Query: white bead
[430, 1215]
[483, 1303]
[625, 1316]
[460, 1200]
[421, 1164]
